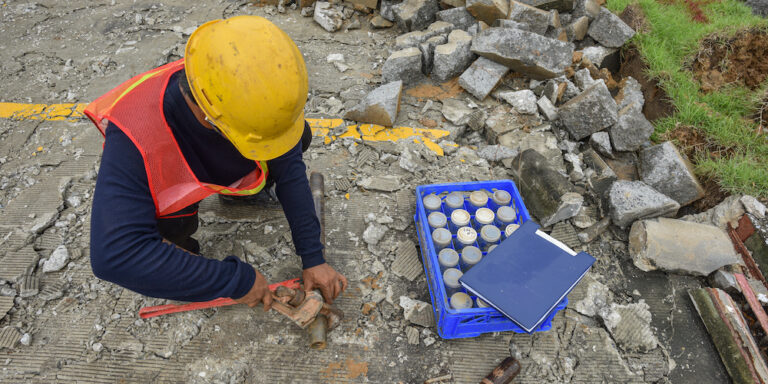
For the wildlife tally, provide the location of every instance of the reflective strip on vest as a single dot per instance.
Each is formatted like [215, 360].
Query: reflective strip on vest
[136, 108]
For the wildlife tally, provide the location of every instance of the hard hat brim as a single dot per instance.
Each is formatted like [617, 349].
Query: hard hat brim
[268, 149]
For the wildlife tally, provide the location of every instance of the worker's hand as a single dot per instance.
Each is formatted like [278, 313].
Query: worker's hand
[323, 277]
[259, 293]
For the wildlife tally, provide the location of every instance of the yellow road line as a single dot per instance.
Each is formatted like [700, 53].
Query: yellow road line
[320, 127]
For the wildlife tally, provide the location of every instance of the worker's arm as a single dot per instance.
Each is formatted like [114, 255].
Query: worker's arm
[127, 249]
[292, 187]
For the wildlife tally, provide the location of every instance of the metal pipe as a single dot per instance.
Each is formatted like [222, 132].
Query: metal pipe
[504, 372]
[318, 331]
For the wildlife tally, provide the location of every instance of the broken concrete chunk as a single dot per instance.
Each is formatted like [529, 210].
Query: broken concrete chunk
[634, 200]
[411, 39]
[379, 22]
[459, 17]
[387, 9]
[482, 77]
[451, 59]
[547, 109]
[501, 122]
[456, 111]
[566, 234]
[417, 312]
[609, 30]
[630, 93]
[591, 111]
[440, 28]
[505, 23]
[374, 233]
[488, 10]
[496, 152]
[598, 54]
[630, 326]
[631, 131]
[591, 233]
[378, 107]
[9, 337]
[602, 176]
[664, 168]
[725, 280]
[522, 101]
[57, 260]
[328, 16]
[406, 262]
[29, 286]
[588, 8]
[593, 296]
[577, 29]
[415, 15]
[601, 142]
[524, 52]
[412, 335]
[387, 183]
[583, 79]
[404, 65]
[537, 20]
[427, 49]
[548, 194]
[753, 206]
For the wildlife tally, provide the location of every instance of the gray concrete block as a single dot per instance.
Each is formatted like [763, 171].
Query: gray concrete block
[481, 77]
[577, 30]
[524, 52]
[415, 15]
[328, 16]
[602, 176]
[583, 79]
[588, 8]
[411, 39]
[547, 109]
[452, 58]
[630, 93]
[387, 9]
[633, 200]
[427, 49]
[488, 11]
[664, 168]
[404, 65]
[538, 20]
[601, 142]
[631, 131]
[591, 111]
[523, 101]
[459, 17]
[609, 30]
[378, 107]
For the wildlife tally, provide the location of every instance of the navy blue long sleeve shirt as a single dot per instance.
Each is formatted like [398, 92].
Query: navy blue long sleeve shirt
[126, 247]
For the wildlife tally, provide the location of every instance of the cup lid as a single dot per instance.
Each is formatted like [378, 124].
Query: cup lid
[448, 257]
[478, 198]
[490, 233]
[441, 235]
[451, 277]
[501, 197]
[461, 300]
[466, 235]
[484, 216]
[471, 255]
[506, 214]
[460, 217]
[492, 247]
[511, 229]
[437, 220]
[481, 303]
[431, 202]
[454, 200]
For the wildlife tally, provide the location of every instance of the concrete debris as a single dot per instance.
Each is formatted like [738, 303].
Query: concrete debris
[456, 111]
[680, 246]
[496, 152]
[547, 109]
[602, 176]
[524, 52]
[505, 23]
[337, 59]
[609, 30]
[482, 77]
[26, 339]
[214, 370]
[374, 233]
[29, 286]
[379, 22]
[57, 260]
[6, 303]
[386, 183]
[630, 93]
[630, 326]
[632, 130]
[328, 16]
[403, 65]
[592, 233]
[412, 334]
[9, 337]
[427, 49]
[459, 17]
[753, 206]
[577, 30]
[342, 184]
[591, 296]
[440, 28]
[415, 15]
[417, 312]
[597, 54]
[729, 211]
[665, 169]
[633, 200]
[548, 195]
[488, 11]
[585, 218]
[451, 59]
[378, 107]
[591, 111]
[307, 12]
[411, 39]
[406, 262]
[537, 20]
[583, 79]
[566, 234]
[522, 101]
[387, 9]
[588, 8]
[725, 280]
[601, 142]
[52, 291]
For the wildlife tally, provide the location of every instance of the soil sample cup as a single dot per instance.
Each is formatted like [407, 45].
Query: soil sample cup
[465, 237]
[489, 235]
[431, 203]
[470, 256]
[459, 218]
[483, 216]
[481, 303]
[491, 247]
[454, 201]
[437, 220]
[441, 237]
[477, 199]
[461, 300]
[505, 216]
[510, 230]
[451, 278]
[501, 198]
[447, 258]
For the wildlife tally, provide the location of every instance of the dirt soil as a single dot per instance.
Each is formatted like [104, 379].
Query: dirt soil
[738, 60]
[634, 16]
[657, 103]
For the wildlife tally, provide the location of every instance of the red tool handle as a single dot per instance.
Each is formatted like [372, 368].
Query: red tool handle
[165, 309]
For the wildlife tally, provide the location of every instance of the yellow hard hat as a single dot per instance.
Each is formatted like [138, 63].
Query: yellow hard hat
[249, 78]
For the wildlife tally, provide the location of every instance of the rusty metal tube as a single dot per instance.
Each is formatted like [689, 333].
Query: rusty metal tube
[504, 372]
[318, 331]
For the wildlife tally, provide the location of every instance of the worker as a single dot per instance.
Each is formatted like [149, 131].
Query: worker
[229, 119]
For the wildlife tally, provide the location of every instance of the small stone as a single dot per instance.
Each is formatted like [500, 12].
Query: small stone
[753, 206]
[523, 101]
[403, 65]
[595, 297]
[439, 28]
[453, 58]
[406, 262]
[29, 286]
[482, 77]
[597, 54]
[417, 312]
[328, 16]
[577, 30]
[378, 107]
[412, 334]
[583, 79]
[566, 234]
[7, 291]
[505, 23]
[307, 11]
[459, 17]
[630, 93]
[387, 9]
[488, 10]
[501, 122]
[630, 326]
[379, 22]
[496, 152]
[97, 347]
[634, 200]
[537, 20]
[609, 30]
[726, 281]
[26, 339]
[591, 233]
[665, 169]
[589, 112]
[588, 8]
[374, 233]
[57, 260]
[525, 52]
[456, 111]
[631, 131]
[386, 183]
[601, 142]
[547, 109]
[680, 246]
[415, 15]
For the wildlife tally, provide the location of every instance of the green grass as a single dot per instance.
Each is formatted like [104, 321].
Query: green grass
[724, 115]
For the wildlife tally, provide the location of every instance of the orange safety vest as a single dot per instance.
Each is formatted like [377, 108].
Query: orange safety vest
[136, 107]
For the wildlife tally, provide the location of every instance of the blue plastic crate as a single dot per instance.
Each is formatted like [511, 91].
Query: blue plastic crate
[453, 323]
